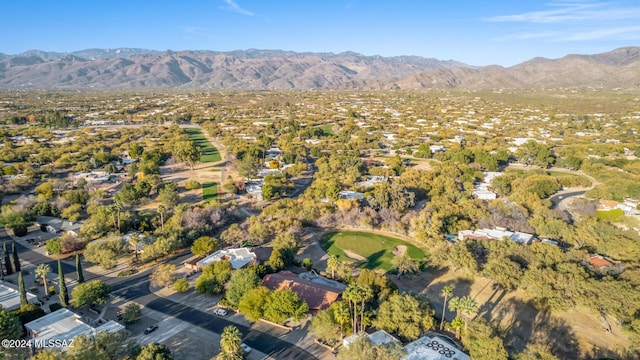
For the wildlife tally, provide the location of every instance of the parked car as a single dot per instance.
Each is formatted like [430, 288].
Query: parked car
[246, 348]
[220, 312]
[150, 329]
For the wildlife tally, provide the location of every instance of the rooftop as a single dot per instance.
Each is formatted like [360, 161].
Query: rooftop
[64, 324]
[10, 297]
[317, 296]
[433, 347]
[237, 257]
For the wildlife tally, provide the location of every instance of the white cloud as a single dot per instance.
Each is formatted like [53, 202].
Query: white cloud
[618, 33]
[528, 36]
[233, 6]
[572, 11]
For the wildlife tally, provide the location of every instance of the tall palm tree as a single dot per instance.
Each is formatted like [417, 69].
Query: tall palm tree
[464, 307]
[41, 271]
[468, 308]
[161, 210]
[366, 294]
[447, 292]
[341, 315]
[332, 263]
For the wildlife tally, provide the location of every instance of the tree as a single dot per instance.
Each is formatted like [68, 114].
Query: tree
[181, 285]
[102, 345]
[213, 277]
[168, 195]
[188, 152]
[230, 341]
[483, 343]
[204, 245]
[404, 264]
[154, 351]
[325, 327]
[161, 210]
[446, 292]
[132, 313]
[7, 259]
[41, 271]
[92, 292]
[79, 269]
[164, 275]
[355, 294]
[252, 303]
[534, 153]
[62, 286]
[536, 352]
[424, 151]
[333, 263]
[106, 253]
[240, 283]
[23, 293]
[405, 316]
[465, 306]
[362, 348]
[16, 259]
[10, 327]
[283, 304]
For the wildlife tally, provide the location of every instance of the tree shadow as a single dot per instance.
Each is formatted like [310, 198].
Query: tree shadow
[373, 260]
[522, 324]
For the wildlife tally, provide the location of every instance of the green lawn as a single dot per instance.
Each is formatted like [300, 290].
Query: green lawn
[209, 152]
[327, 129]
[210, 191]
[378, 249]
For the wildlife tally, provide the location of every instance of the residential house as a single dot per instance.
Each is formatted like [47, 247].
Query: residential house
[10, 296]
[238, 258]
[318, 296]
[63, 326]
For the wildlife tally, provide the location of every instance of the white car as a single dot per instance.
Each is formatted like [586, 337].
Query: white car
[220, 312]
[246, 348]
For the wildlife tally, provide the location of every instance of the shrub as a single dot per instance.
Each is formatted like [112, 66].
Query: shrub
[54, 246]
[52, 290]
[20, 231]
[307, 263]
[132, 313]
[181, 285]
[192, 185]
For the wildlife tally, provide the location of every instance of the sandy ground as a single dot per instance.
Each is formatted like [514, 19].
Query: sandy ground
[571, 334]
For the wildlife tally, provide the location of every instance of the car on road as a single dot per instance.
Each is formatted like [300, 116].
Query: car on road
[220, 312]
[150, 329]
[246, 348]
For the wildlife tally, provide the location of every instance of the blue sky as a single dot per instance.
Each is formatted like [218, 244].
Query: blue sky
[472, 31]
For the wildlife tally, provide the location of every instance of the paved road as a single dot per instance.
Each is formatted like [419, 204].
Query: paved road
[136, 288]
[558, 197]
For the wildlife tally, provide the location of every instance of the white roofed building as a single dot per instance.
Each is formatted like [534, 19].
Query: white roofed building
[238, 258]
[10, 296]
[63, 326]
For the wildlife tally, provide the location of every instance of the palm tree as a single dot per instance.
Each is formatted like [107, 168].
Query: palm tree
[332, 263]
[341, 315]
[41, 271]
[230, 341]
[161, 210]
[134, 240]
[447, 291]
[366, 294]
[465, 306]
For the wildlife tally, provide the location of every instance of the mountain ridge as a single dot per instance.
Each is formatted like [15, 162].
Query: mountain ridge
[255, 69]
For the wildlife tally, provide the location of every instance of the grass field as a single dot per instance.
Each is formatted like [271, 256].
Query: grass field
[327, 129]
[209, 152]
[378, 249]
[210, 191]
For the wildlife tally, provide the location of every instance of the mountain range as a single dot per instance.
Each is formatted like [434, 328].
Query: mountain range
[284, 70]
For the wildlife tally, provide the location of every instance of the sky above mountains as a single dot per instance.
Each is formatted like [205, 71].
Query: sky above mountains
[475, 32]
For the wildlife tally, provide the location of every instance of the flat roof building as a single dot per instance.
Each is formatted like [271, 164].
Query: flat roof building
[433, 347]
[238, 258]
[10, 296]
[64, 325]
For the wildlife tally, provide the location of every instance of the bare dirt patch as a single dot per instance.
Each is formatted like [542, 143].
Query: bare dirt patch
[572, 334]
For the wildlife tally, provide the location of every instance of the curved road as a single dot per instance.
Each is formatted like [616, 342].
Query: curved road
[136, 288]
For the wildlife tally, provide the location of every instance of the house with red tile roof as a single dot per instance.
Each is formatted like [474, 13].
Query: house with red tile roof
[317, 296]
